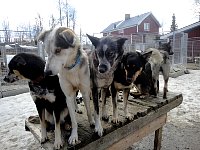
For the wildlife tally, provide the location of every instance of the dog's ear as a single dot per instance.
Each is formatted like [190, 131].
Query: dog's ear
[43, 35]
[120, 42]
[20, 61]
[68, 36]
[94, 40]
[146, 55]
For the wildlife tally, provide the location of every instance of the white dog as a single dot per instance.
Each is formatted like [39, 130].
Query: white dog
[66, 58]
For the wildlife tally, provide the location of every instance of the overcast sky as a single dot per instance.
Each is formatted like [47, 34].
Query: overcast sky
[95, 15]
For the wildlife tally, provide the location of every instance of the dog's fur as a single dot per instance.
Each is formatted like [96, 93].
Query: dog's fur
[103, 62]
[66, 57]
[144, 83]
[125, 75]
[46, 92]
[160, 62]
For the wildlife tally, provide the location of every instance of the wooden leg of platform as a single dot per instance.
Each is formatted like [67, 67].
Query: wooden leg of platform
[156, 125]
[158, 139]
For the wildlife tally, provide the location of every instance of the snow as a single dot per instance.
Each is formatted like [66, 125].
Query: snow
[15, 109]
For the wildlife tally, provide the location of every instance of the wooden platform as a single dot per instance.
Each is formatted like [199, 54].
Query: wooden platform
[149, 115]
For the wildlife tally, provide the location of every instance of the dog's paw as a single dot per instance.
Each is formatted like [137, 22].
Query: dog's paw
[73, 139]
[58, 144]
[43, 140]
[99, 130]
[92, 123]
[129, 117]
[115, 120]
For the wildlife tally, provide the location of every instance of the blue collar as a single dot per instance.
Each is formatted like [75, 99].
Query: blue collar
[78, 60]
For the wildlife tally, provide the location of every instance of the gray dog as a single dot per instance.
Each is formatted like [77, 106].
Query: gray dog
[103, 62]
[160, 62]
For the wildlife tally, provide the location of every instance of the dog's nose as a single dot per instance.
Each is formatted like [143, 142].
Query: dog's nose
[48, 73]
[103, 68]
[171, 53]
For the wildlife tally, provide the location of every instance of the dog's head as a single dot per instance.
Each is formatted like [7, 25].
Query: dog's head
[108, 51]
[61, 45]
[133, 63]
[25, 66]
[166, 47]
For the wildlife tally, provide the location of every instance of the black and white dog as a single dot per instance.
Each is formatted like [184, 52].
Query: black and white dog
[103, 61]
[46, 92]
[67, 58]
[128, 70]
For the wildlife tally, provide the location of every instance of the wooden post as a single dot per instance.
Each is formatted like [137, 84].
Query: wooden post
[158, 139]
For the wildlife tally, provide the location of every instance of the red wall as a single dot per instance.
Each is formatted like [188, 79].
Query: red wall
[194, 32]
[154, 28]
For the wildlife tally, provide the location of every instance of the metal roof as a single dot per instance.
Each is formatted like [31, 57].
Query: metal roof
[184, 29]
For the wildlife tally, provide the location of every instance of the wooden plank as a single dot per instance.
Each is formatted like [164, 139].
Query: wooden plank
[139, 134]
[116, 132]
[120, 133]
[158, 139]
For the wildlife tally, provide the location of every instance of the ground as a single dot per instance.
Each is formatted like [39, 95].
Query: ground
[182, 131]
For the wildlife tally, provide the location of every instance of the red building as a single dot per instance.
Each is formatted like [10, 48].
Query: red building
[140, 29]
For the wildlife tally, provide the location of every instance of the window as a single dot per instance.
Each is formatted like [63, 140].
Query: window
[146, 26]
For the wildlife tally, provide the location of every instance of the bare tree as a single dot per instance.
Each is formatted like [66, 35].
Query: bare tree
[52, 22]
[73, 18]
[67, 12]
[7, 32]
[197, 8]
[37, 28]
[60, 11]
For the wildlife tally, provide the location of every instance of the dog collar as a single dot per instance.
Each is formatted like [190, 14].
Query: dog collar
[77, 61]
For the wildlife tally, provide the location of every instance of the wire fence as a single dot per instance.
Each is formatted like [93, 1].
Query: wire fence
[185, 50]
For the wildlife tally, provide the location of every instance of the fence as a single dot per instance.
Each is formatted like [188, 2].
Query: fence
[184, 49]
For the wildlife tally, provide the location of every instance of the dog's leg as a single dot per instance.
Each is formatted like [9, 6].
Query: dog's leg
[104, 109]
[86, 99]
[58, 141]
[165, 88]
[165, 71]
[41, 113]
[125, 97]
[43, 126]
[115, 118]
[95, 97]
[155, 77]
[70, 98]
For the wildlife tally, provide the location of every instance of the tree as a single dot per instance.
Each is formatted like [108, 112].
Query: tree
[7, 32]
[68, 13]
[174, 26]
[52, 21]
[197, 8]
[37, 28]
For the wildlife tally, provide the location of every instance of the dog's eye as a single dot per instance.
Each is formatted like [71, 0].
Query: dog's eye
[57, 50]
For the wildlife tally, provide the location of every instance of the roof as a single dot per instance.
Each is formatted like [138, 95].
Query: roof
[184, 29]
[133, 21]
